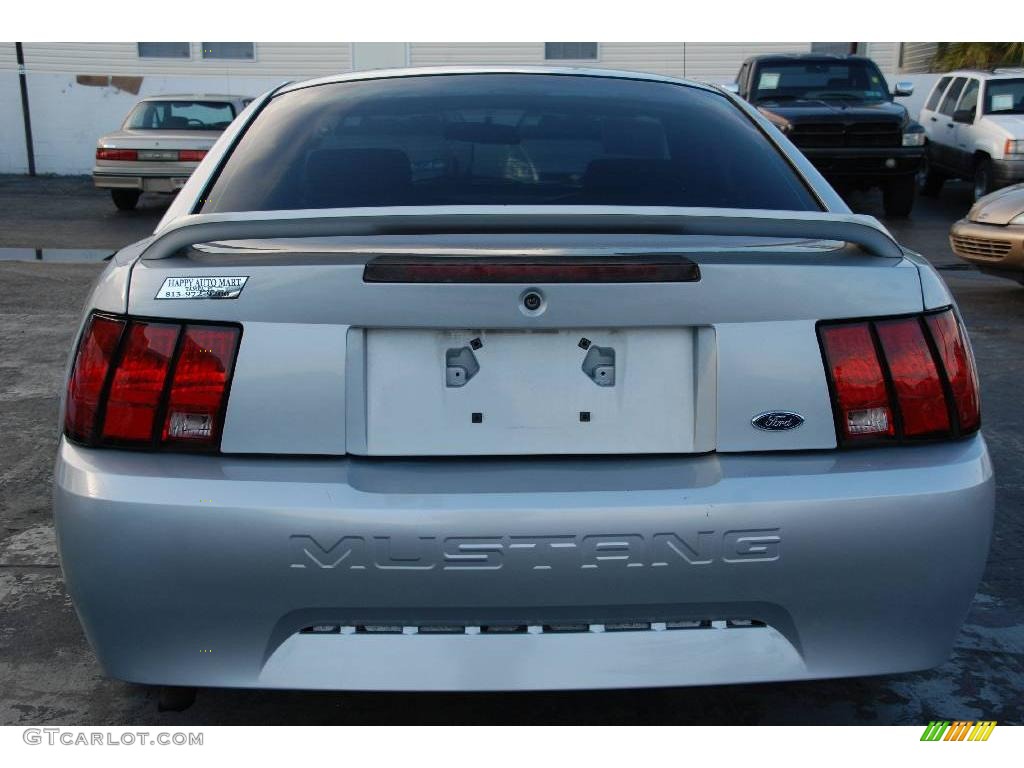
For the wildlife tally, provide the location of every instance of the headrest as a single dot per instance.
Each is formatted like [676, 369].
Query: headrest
[175, 121]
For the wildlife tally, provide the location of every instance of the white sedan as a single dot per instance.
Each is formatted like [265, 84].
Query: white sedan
[160, 143]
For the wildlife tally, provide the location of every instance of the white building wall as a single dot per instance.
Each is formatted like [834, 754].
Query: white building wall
[660, 58]
[379, 55]
[885, 55]
[13, 158]
[720, 62]
[468, 54]
[918, 57]
[67, 118]
[69, 113]
[286, 60]
[715, 62]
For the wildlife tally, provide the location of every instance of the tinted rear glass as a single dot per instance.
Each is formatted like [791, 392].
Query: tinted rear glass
[181, 116]
[504, 139]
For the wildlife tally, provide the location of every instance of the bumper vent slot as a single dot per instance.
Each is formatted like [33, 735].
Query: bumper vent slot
[505, 629]
[379, 629]
[566, 628]
[441, 629]
[688, 625]
[628, 626]
[531, 629]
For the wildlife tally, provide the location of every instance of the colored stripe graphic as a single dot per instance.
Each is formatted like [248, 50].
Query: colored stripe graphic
[982, 730]
[935, 730]
[959, 730]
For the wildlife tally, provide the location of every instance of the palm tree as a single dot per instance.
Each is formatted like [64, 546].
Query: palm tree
[978, 55]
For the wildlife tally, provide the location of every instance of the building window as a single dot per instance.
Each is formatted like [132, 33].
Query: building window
[228, 51]
[165, 50]
[576, 51]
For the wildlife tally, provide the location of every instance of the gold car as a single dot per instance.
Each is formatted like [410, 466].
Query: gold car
[992, 235]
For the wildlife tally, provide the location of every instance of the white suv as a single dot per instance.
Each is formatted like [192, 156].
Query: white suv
[975, 126]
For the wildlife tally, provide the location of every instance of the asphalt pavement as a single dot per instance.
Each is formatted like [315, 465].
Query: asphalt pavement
[49, 676]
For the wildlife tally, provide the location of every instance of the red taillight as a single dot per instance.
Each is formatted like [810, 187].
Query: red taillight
[959, 365]
[861, 396]
[915, 378]
[191, 155]
[168, 383]
[89, 375]
[139, 382]
[199, 386]
[103, 153]
[899, 388]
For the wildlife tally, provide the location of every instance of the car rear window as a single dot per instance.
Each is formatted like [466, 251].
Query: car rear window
[181, 116]
[497, 139]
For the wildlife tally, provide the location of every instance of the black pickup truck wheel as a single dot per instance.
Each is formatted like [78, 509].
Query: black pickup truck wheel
[898, 196]
[930, 180]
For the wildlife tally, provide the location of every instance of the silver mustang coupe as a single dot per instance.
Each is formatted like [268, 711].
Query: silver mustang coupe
[492, 379]
[160, 143]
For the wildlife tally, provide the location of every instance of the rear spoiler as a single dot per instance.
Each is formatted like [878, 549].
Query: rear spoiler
[864, 231]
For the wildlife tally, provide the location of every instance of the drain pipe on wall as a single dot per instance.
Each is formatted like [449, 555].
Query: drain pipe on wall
[23, 82]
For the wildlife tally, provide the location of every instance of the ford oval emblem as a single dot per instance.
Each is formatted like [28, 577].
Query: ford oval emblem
[777, 421]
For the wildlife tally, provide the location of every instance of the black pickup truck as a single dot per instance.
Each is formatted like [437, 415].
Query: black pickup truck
[839, 112]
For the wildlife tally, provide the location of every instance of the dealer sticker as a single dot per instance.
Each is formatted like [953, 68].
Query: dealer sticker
[1002, 102]
[215, 287]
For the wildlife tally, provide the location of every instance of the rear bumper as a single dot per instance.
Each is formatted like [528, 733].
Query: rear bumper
[1006, 172]
[868, 165]
[145, 177]
[203, 571]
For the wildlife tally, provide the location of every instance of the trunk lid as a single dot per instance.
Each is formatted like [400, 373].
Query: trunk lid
[332, 364]
[155, 139]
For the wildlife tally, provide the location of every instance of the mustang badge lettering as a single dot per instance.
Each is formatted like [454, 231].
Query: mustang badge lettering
[357, 552]
[216, 287]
